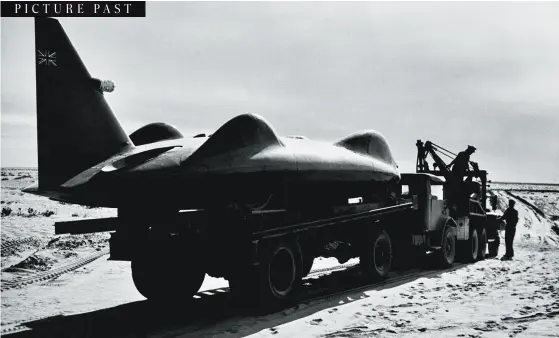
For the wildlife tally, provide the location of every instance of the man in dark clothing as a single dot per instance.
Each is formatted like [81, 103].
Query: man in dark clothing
[460, 189]
[461, 163]
[511, 217]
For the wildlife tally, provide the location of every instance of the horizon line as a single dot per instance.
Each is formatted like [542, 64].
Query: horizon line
[495, 182]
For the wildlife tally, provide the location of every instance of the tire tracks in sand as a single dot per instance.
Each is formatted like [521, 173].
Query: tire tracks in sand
[52, 273]
[7, 246]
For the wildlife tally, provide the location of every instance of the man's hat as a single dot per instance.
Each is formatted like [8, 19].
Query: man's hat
[472, 148]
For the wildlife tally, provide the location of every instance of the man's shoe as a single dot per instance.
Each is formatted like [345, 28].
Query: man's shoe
[505, 258]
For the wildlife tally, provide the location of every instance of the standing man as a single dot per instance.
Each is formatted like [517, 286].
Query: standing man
[511, 217]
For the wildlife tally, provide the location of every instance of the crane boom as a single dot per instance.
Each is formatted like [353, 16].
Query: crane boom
[440, 168]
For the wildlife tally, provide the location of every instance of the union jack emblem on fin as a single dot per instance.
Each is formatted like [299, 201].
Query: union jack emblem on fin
[46, 58]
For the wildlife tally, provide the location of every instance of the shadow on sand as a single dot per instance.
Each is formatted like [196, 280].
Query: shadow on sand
[215, 312]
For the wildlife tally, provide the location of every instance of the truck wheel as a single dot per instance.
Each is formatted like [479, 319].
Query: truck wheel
[470, 247]
[376, 257]
[493, 248]
[445, 256]
[482, 245]
[165, 278]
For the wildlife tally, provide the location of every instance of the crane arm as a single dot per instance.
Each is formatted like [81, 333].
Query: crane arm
[423, 167]
[440, 168]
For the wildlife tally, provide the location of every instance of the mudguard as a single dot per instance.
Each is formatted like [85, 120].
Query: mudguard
[443, 223]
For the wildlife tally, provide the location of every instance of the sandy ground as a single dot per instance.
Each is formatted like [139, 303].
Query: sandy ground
[72, 290]
[486, 299]
[29, 220]
[547, 202]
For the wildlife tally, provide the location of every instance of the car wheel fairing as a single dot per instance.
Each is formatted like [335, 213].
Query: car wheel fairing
[155, 132]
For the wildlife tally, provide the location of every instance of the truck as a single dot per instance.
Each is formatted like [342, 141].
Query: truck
[266, 253]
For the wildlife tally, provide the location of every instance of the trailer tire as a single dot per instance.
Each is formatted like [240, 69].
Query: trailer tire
[163, 277]
[376, 256]
[273, 283]
[482, 245]
[445, 256]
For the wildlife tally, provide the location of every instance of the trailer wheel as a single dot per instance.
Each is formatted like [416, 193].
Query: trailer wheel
[275, 281]
[376, 256]
[164, 276]
[482, 245]
[445, 256]
[281, 271]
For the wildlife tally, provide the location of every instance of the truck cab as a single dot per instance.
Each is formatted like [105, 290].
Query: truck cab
[428, 192]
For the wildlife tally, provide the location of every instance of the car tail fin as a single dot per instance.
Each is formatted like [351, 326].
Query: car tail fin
[76, 128]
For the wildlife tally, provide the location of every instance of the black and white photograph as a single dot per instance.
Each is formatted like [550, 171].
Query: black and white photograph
[280, 169]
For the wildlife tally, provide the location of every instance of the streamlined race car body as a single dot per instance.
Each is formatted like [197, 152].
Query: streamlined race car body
[85, 157]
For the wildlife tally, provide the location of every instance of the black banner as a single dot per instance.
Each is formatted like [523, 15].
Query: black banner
[74, 8]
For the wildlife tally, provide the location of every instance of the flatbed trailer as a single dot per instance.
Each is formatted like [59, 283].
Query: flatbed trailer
[265, 253]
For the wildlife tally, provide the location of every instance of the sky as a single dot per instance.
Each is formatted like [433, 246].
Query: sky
[454, 73]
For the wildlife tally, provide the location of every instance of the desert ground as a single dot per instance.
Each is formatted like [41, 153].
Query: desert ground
[64, 286]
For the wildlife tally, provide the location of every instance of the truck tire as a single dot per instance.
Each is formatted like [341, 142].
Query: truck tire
[166, 277]
[376, 256]
[482, 245]
[470, 248]
[445, 256]
[493, 249]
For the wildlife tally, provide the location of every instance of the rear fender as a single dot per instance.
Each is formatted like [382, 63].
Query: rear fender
[442, 224]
